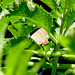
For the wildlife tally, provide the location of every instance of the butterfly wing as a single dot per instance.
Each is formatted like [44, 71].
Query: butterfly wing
[40, 36]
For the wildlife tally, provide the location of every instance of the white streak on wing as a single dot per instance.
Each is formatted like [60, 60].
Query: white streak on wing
[40, 36]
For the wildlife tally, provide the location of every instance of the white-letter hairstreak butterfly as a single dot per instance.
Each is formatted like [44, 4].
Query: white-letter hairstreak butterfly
[40, 36]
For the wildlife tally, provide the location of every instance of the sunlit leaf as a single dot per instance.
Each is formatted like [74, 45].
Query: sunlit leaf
[13, 41]
[51, 3]
[13, 31]
[68, 41]
[14, 55]
[23, 63]
[3, 26]
[6, 2]
[47, 47]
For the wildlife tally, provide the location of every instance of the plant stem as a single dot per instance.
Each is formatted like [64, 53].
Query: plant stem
[54, 66]
[49, 65]
[48, 58]
[63, 19]
[52, 37]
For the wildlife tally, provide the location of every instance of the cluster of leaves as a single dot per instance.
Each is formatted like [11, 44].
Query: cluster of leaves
[21, 18]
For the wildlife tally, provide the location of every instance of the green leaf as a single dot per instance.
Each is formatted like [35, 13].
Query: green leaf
[22, 67]
[70, 3]
[14, 19]
[3, 21]
[51, 3]
[60, 73]
[70, 71]
[38, 17]
[33, 46]
[3, 26]
[15, 52]
[20, 29]
[13, 31]
[55, 6]
[69, 57]
[71, 36]
[24, 30]
[63, 40]
[13, 41]
[47, 47]
[70, 18]
[6, 2]
[68, 41]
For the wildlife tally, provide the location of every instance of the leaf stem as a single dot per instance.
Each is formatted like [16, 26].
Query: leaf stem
[63, 19]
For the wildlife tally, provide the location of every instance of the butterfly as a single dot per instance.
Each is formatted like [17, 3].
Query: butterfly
[40, 36]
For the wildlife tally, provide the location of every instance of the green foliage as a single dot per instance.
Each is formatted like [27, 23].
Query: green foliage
[43, 19]
[20, 29]
[22, 18]
[6, 2]
[36, 67]
[70, 18]
[51, 3]
[47, 47]
[3, 27]
[69, 39]
[60, 73]
[17, 54]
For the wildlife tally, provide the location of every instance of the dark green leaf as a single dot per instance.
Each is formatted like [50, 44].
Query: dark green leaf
[38, 17]
[60, 73]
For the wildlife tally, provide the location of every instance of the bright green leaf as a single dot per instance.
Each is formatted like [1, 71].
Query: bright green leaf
[13, 31]
[68, 41]
[3, 26]
[51, 3]
[14, 55]
[47, 47]
[6, 2]
[13, 41]
[22, 67]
